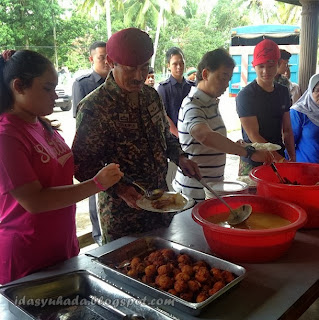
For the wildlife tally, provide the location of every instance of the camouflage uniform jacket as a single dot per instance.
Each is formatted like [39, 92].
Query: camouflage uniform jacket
[282, 80]
[112, 128]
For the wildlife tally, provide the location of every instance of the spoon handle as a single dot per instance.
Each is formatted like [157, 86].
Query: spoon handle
[274, 168]
[201, 181]
[129, 180]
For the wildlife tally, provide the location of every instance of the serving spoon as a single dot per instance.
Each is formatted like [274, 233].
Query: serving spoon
[236, 216]
[149, 194]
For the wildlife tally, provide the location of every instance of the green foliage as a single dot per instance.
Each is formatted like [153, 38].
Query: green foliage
[28, 24]
[196, 28]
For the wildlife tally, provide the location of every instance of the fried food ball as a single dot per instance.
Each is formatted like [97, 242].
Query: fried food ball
[198, 264]
[168, 254]
[159, 261]
[150, 270]
[140, 268]
[188, 296]
[148, 279]
[182, 276]
[227, 276]
[135, 261]
[132, 273]
[202, 274]
[180, 286]
[173, 291]
[217, 286]
[176, 271]
[154, 256]
[202, 296]
[184, 258]
[216, 273]
[194, 285]
[164, 282]
[187, 269]
[164, 269]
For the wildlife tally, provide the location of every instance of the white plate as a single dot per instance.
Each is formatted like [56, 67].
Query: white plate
[146, 204]
[265, 146]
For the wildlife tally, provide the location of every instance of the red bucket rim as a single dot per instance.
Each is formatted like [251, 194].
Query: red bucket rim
[299, 223]
[278, 184]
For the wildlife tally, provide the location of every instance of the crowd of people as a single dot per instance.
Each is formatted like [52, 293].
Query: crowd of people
[127, 125]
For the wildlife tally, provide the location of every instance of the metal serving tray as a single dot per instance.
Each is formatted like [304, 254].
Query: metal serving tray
[74, 296]
[141, 247]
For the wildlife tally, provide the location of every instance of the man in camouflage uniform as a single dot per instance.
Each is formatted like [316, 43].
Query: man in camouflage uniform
[124, 121]
[282, 68]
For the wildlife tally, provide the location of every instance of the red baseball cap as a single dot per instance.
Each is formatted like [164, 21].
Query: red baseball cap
[266, 50]
[130, 47]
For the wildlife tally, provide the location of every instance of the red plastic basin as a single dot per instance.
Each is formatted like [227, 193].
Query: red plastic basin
[253, 246]
[305, 195]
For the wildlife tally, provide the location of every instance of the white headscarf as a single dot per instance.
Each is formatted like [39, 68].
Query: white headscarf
[306, 104]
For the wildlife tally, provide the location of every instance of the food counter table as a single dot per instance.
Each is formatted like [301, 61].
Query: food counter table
[283, 289]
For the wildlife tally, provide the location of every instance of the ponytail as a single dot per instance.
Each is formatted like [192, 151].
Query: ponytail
[6, 99]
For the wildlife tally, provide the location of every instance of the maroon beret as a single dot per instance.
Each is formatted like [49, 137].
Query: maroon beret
[130, 47]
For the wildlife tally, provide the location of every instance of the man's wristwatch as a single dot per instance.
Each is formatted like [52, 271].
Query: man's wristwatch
[250, 151]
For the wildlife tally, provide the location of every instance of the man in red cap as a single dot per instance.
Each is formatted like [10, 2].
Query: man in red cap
[124, 121]
[263, 107]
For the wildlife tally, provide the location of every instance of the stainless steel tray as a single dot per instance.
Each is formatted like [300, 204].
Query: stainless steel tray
[78, 296]
[144, 245]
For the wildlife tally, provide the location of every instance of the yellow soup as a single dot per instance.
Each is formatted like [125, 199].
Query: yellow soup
[256, 221]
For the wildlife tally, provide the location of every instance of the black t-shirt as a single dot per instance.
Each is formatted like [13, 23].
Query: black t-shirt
[268, 107]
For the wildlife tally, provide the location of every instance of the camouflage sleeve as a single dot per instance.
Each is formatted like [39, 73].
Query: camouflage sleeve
[87, 147]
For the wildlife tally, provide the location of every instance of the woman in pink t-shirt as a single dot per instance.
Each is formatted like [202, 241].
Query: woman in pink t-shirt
[37, 195]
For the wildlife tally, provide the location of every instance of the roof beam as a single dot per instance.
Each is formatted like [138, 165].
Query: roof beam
[295, 2]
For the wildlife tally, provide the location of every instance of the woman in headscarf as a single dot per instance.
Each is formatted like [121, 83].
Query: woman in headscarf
[304, 115]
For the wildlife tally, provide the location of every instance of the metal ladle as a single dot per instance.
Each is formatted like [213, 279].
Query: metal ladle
[236, 216]
[149, 194]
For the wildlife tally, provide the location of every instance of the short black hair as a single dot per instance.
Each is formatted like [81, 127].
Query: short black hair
[150, 70]
[285, 55]
[172, 52]
[97, 44]
[212, 60]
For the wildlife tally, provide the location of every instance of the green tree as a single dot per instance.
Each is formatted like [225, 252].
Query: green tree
[107, 5]
[28, 24]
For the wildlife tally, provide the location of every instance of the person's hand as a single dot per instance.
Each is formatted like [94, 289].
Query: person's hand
[129, 195]
[109, 175]
[189, 167]
[262, 156]
[241, 142]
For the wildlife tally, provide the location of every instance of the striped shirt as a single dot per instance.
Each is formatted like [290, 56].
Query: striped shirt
[198, 107]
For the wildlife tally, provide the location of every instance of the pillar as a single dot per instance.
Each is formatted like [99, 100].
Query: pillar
[308, 41]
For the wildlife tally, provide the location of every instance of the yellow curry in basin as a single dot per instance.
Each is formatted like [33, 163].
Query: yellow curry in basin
[256, 221]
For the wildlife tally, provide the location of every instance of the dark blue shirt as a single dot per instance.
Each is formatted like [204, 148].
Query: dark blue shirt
[82, 86]
[173, 94]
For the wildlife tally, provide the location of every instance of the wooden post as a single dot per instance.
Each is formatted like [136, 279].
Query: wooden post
[308, 42]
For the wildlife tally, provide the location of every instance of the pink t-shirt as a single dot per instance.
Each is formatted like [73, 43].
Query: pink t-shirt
[30, 242]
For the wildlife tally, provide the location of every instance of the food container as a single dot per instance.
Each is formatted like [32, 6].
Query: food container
[253, 246]
[224, 188]
[141, 247]
[76, 295]
[306, 195]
